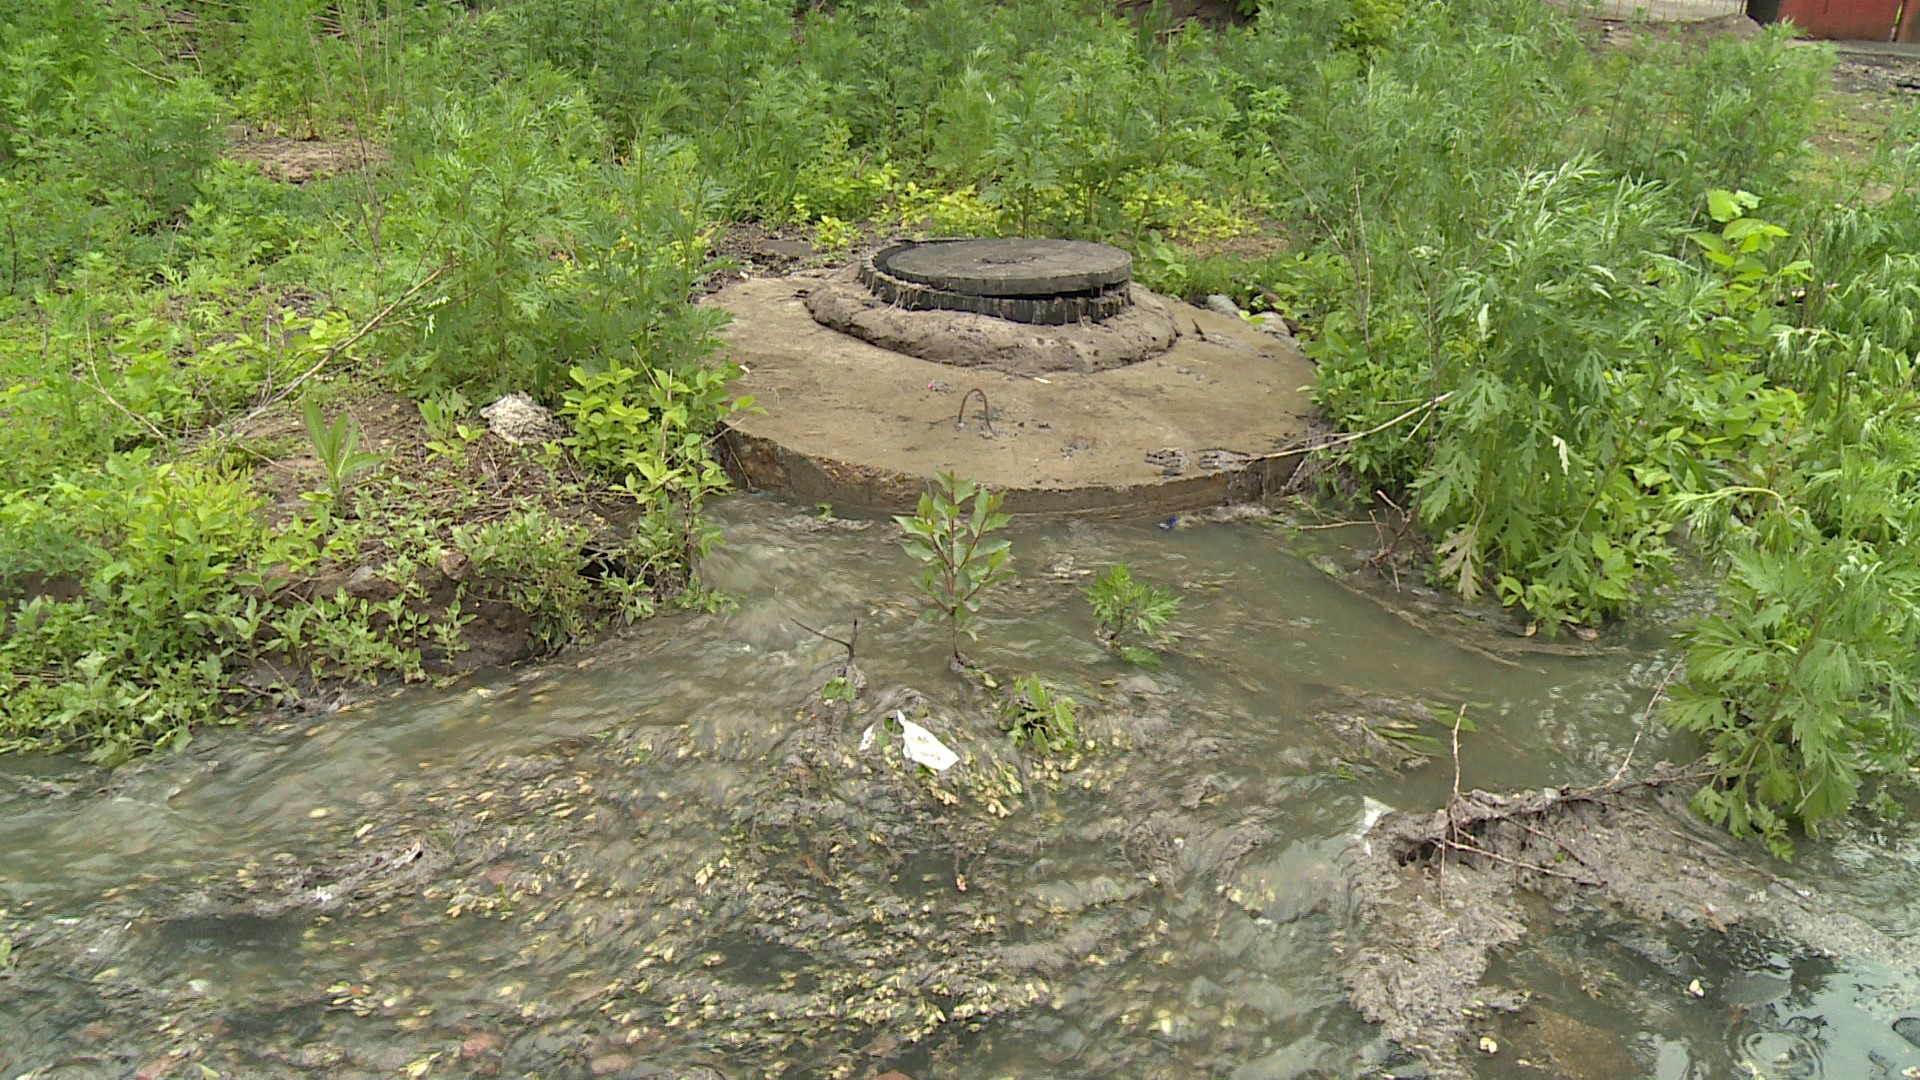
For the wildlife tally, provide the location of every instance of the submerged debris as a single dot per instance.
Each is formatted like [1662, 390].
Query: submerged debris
[662, 894]
[1385, 732]
[1438, 894]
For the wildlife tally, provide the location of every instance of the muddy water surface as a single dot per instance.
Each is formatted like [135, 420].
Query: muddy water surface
[668, 857]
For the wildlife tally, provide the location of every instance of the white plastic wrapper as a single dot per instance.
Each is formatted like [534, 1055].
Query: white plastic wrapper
[923, 748]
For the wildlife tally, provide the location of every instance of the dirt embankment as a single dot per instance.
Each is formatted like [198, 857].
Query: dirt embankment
[1439, 895]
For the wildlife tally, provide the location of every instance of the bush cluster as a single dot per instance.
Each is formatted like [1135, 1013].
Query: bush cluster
[156, 295]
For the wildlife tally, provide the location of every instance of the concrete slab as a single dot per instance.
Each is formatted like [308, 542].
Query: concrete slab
[863, 428]
[1655, 10]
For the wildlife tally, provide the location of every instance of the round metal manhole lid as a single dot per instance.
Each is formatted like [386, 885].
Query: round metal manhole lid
[1009, 267]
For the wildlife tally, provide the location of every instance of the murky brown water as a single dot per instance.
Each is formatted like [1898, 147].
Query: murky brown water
[657, 858]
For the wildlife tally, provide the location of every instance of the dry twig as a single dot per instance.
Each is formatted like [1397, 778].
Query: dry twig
[1355, 436]
[1646, 714]
[366, 328]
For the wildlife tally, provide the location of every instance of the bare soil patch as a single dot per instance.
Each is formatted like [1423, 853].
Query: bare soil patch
[297, 161]
[423, 490]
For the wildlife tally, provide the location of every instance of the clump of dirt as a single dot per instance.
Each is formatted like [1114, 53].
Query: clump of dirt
[1144, 329]
[1439, 894]
[1872, 72]
[755, 250]
[400, 524]
[297, 161]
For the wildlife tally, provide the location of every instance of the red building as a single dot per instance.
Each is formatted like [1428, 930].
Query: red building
[1844, 20]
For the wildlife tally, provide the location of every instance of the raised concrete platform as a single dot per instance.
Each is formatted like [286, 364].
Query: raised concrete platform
[852, 424]
[1656, 10]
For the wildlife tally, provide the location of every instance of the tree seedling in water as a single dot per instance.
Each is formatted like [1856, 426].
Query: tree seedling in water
[845, 686]
[1041, 718]
[1123, 607]
[950, 534]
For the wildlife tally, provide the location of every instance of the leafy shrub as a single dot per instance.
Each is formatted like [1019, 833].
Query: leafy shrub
[651, 432]
[946, 213]
[1370, 24]
[536, 560]
[137, 656]
[951, 533]
[1802, 684]
[1124, 608]
[1042, 718]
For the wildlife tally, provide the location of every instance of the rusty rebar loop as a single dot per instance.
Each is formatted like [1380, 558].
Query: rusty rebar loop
[986, 410]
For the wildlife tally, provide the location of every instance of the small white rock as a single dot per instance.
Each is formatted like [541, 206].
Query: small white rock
[518, 420]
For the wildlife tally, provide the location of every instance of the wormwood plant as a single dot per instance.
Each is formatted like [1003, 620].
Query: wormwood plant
[1123, 608]
[1801, 682]
[500, 185]
[951, 534]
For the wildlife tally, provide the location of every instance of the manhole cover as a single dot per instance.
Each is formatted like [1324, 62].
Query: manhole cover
[1009, 267]
[1048, 282]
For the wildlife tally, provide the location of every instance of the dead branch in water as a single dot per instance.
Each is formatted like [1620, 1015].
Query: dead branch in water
[1461, 825]
[849, 643]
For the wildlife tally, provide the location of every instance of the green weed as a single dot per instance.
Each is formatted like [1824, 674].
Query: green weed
[951, 533]
[1124, 608]
[1041, 718]
[336, 443]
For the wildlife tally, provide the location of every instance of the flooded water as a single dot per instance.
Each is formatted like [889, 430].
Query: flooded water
[667, 857]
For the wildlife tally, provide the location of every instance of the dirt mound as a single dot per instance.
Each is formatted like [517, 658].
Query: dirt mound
[1439, 893]
[1144, 329]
